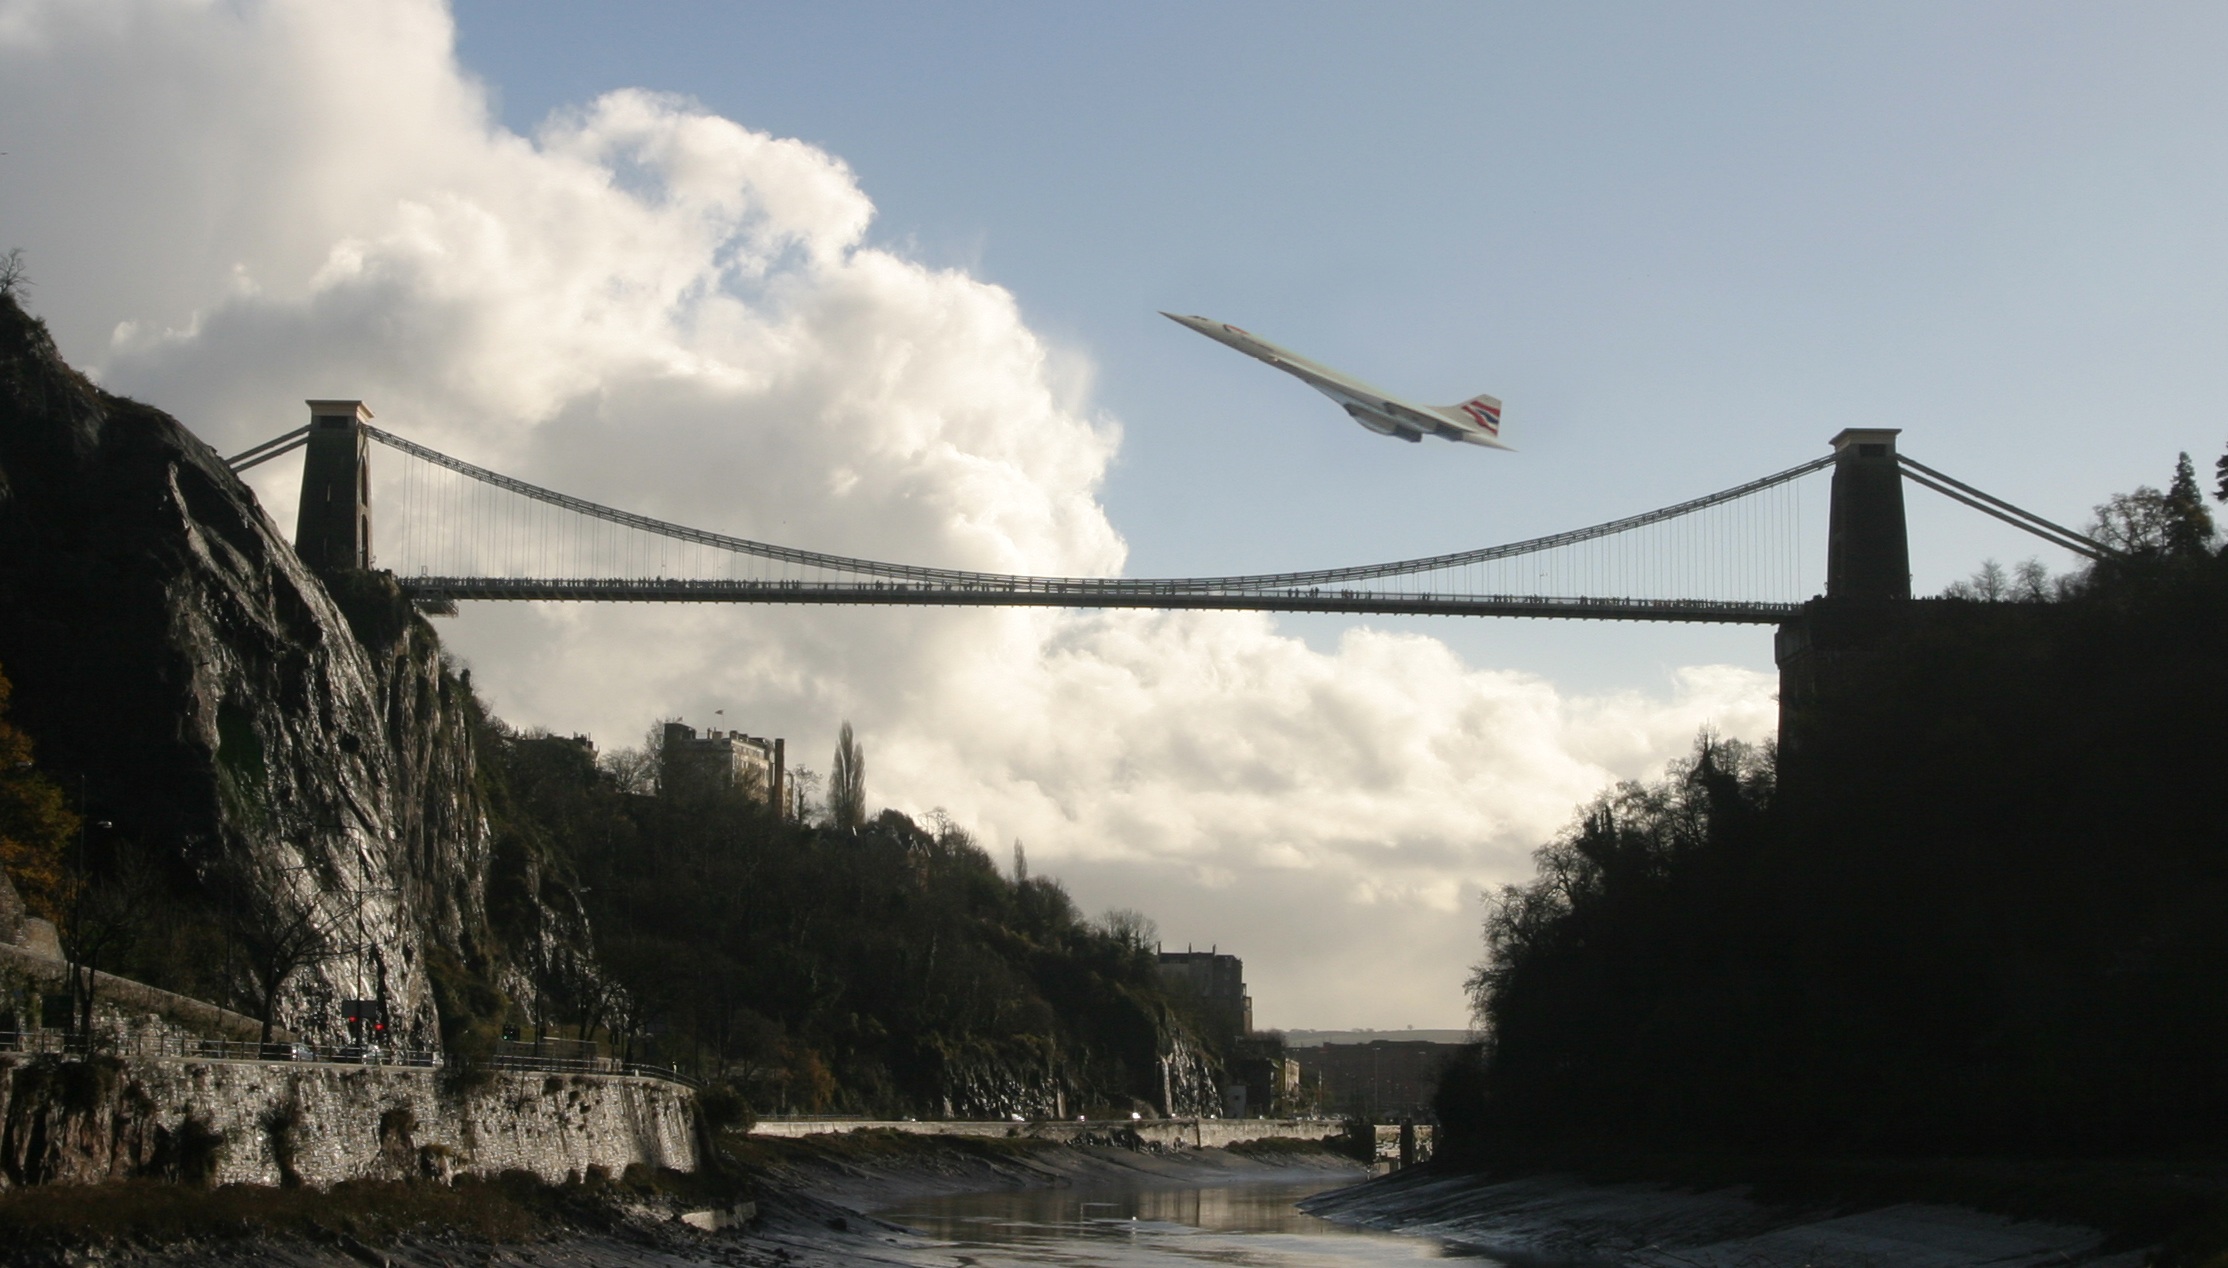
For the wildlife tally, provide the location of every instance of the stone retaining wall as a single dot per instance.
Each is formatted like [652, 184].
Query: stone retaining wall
[311, 1123]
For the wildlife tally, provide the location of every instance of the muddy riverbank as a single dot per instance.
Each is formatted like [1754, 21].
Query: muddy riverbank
[1563, 1219]
[808, 1204]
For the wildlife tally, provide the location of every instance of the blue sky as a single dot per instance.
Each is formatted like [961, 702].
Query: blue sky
[1685, 244]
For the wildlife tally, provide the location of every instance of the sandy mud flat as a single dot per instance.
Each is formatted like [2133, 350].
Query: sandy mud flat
[1562, 1220]
[810, 1197]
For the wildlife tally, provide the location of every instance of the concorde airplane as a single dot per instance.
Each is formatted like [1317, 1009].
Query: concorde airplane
[1476, 421]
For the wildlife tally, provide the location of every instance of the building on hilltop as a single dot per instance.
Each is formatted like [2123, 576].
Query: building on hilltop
[1217, 983]
[723, 761]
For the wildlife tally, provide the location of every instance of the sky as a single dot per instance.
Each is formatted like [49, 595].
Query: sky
[884, 278]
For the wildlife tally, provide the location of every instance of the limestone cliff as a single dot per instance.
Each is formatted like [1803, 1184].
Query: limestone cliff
[216, 709]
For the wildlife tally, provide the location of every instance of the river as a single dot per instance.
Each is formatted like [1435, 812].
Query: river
[1252, 1225]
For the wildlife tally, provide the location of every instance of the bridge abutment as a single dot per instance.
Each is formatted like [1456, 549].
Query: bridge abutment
[332, 527]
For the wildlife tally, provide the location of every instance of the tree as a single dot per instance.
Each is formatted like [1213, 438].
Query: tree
[279, 934]
[2027, 582]
[653, 755]
[109, 912]
[2148, 523]
[2137, 523]
[847, 783]
[1988, 585]
[14, 280]
[1131, 929]
[630, 770]
[2189, 526]
[2220, 472]
[37, 826]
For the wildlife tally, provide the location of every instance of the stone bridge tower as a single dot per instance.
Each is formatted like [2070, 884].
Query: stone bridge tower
[1868, 550]
[332, 528]
[1868, 590]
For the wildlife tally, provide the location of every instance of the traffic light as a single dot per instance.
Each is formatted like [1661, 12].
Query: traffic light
[366, 1018]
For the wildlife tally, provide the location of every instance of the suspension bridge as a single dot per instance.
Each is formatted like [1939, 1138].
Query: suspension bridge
[463, 533]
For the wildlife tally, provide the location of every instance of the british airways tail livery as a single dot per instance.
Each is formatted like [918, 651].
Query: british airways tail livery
[1476, 421]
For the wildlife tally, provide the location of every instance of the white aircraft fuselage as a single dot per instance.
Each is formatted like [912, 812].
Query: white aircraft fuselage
[1476, 421]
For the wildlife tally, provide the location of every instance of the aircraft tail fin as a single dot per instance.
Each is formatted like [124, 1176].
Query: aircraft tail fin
[1482, 413]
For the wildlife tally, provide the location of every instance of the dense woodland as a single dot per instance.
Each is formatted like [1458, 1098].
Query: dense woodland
[1981, 905]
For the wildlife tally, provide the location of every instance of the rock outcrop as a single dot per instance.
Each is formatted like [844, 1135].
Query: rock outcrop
[269, 744]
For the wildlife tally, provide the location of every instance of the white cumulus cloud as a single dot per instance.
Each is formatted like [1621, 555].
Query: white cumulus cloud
[231, 207]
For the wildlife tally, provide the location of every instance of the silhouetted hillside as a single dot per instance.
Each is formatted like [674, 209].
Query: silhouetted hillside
[1979, 901]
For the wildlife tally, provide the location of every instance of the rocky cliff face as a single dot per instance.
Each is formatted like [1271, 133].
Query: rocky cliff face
[1191, 1081]
[1006, 1080]
[218, 709]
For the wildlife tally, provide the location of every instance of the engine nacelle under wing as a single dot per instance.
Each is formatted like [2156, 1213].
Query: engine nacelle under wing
[1382, 424]
[1375, 422]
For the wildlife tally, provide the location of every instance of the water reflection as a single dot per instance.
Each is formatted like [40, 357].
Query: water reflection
[1248, 1224]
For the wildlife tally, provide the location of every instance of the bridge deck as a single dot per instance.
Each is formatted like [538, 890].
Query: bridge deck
[1085, 594]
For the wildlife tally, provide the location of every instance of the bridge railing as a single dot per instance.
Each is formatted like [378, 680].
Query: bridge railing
[1117, 594]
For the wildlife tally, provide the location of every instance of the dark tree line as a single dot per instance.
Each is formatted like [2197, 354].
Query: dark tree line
[1983, 904]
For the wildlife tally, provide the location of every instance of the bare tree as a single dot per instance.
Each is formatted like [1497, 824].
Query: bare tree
[110, 912]
[2138, 523]
[1989, 585]
[804, 791]
[631, 770]
[14, 278]
[1132, 928]
[594, 995]
[653, 745]
[847, 784]
[279, 934]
